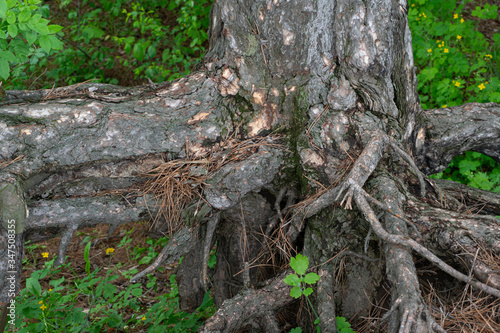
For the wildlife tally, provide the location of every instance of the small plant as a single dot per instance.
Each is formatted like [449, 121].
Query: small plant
[300, 281]
[212, 259]
[150, 251]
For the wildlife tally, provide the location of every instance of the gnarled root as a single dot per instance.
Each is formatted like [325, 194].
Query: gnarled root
[248, 305]
[179, 244]
[408, 312]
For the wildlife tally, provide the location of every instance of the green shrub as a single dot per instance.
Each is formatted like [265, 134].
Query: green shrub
[26, 38]
[456, 64]
[120, 42]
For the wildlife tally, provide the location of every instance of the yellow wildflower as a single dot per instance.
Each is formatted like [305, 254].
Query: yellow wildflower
[488, 56]
[438, 41]
[423, 14]
[446, 50]
[455, 16]
[50, 289]
[429, 50]
[444, 106]
[462, 20]
[110, 250]
[457, 84]
[41, 302]
[481, 86]
[413, 5]
[143, 318]
[43, 307]
[459, 37]
[45, 254]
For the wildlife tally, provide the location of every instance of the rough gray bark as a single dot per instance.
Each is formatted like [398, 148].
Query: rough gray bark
[335, 81]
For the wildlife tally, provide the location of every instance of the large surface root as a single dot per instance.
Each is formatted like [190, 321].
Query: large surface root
[362, 203]
[248, 305]
[408, 312]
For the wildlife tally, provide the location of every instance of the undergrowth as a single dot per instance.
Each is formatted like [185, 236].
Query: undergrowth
[457, 64]
[95, 302]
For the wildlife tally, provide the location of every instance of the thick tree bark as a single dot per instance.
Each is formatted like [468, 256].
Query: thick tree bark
[306, 124]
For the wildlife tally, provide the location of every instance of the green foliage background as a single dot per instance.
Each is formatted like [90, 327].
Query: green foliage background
[114, 41]
[457, 64]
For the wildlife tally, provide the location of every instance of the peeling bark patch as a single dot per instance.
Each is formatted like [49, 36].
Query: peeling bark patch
[266, 119]
[261, 14]
[311, 158]
[229, 83]
[288, 37]
[290, 90]
[419, 142]
[171, 103]
[198, 118]
[259, 97]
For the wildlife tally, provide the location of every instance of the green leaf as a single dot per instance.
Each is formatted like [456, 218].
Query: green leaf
[292, 280]
[299, 264]
[54, 28]
[343, 326]
[33, 285]
[12, 29]
[136, 292]
[31, 37]
[308, 291]
[4, 69]
[55, 283]
[296, 330]
[3, 9]
[40, 27]
[45, 44]
[11, 18]
[24, 16]
[482, 181]
[86, 252]
[311, 278]
[138, 51]
[35, 19]
[7, 55]
[296, 292]
[467, 165]
[55, 43]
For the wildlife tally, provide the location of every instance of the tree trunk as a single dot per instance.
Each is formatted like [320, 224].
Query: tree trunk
[303, 133]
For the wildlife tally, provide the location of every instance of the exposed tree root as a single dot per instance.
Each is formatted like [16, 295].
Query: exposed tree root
[479, 201]
[207, 246]
[248, 305]
[412, 314]
[466, 236]
[410, 243]
[179, 244]
[326, 301]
